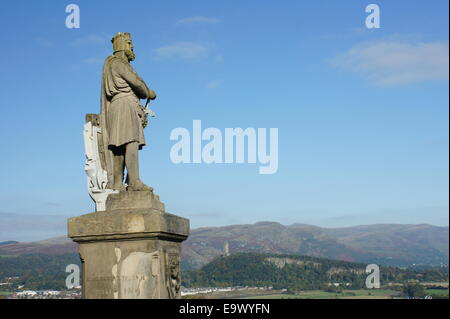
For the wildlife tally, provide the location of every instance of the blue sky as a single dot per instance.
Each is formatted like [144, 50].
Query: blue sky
[362, 114]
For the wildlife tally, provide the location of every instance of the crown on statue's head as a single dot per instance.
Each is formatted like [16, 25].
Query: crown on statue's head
[121, 41]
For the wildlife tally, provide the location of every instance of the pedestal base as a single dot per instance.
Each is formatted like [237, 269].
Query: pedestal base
[130, 253]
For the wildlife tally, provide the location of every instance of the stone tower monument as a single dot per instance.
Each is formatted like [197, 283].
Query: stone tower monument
[130, 246]
[226, 249]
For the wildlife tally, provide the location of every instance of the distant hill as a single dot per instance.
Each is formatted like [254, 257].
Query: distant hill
[8, 242]
[297, 273]
[53, 246]
[394, 245]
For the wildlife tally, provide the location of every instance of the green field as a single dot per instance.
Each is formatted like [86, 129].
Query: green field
[437, 292]
[346, 294]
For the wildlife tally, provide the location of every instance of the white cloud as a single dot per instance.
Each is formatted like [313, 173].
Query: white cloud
[198, 19]
[184, 50]
[43, 42]
[219, 59]
[213, 84]
[390, 63]
[25, 227]
[89, 40]
[94, 61]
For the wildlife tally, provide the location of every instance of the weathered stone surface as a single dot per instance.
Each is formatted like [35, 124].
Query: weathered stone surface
[130, 269]
[134, 199]
[128, 224]
[97, 179]
[130, 253]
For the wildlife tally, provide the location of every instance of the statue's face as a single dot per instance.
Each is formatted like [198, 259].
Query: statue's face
[122, 43]
[129, 50]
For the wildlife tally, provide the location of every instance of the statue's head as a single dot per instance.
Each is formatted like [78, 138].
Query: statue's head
[122, 43]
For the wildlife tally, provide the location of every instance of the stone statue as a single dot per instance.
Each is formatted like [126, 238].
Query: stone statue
[130, 247]
[122, 117]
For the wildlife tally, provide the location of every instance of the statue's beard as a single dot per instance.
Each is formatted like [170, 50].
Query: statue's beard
[130, 55]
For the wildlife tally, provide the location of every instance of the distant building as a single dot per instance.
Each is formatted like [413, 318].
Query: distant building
[226, 249]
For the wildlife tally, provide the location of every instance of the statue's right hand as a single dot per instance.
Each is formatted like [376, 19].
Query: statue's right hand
[151, 94]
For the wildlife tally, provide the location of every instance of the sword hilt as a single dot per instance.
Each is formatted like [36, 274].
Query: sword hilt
[148, 110]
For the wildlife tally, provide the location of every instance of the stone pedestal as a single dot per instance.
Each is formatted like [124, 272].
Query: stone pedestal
[131, 250]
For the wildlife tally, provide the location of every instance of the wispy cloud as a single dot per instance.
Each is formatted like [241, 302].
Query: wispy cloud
[211, 214]
[52, 204]
[94, 61]
[219, 59]
[213, 84]
[184, 50]
[90, 40]
[43, 42]
[24, 227]
[391, 63]
[198, 20]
